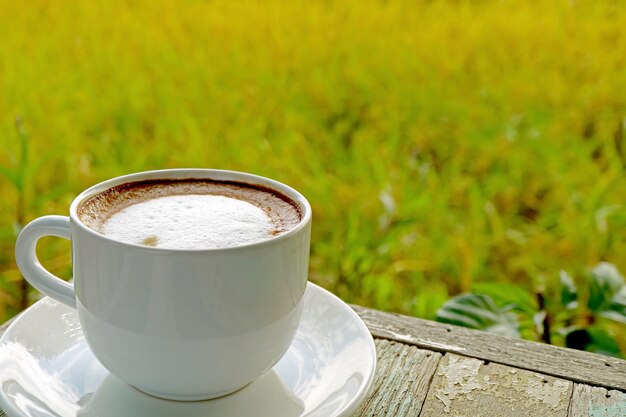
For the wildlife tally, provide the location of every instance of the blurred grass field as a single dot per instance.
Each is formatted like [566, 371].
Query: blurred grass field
[441, 143]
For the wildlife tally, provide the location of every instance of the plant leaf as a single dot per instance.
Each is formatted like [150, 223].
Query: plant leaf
[569, 292]
[616, 310]
[479, 311]
[538, 319]
[605, 283]
[593, 339]
[607, 293]
[508, 296]
[10, 175]
[17, 228]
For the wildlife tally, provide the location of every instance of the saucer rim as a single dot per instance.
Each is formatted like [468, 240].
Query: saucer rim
[9, 409]
[367, 383]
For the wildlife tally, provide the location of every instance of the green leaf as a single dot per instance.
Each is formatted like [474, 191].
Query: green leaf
[616, 310]
[606, 281]
[479, 311]
[508, 296]
[425, 304]
[538, 319]
[607, 292]
[11, 176]
[593, 339]
[569, 292]
[17, 228]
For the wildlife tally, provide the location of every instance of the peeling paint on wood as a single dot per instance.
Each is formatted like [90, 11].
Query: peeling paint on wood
[590, 401]
[573, 365]
[403, 375]
[467, 387]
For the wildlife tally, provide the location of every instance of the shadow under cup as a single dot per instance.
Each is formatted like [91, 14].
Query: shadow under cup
[188, 324]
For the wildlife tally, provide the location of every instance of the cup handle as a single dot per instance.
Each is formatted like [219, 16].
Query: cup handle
[29, 265]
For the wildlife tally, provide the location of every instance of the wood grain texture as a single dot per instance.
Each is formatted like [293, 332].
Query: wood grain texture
[584, 367]
[465, 386]
[590, 401]
[403, 375]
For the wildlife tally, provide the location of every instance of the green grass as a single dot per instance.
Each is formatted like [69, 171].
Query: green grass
[441, 143]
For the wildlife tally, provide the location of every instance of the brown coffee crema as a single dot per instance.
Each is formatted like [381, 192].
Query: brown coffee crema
[284, 213]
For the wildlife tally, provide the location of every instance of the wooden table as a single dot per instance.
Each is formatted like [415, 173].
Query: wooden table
[429, 369]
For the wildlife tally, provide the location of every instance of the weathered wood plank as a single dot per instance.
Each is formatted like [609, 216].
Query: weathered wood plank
[403, 375]
[465, 386]
[584, 367]
[590, 401]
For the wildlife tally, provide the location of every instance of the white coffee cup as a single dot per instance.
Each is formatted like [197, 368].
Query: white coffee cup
[176, 323]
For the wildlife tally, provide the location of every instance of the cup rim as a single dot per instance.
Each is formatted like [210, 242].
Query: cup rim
[195, 173]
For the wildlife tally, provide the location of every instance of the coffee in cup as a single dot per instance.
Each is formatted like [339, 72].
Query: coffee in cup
[190, 213]
[187, 282]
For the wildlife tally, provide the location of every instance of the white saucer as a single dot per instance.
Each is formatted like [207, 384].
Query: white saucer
[46, 369]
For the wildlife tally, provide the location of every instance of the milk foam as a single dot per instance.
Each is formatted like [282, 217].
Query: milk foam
[190, 222]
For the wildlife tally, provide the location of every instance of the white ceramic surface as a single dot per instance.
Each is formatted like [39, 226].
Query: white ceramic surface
[47, 369]
[213, 319]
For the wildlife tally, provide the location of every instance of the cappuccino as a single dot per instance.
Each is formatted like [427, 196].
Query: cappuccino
[189, 213]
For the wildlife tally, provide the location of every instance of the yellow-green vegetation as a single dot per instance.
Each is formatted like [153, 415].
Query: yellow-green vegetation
[441, 143]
